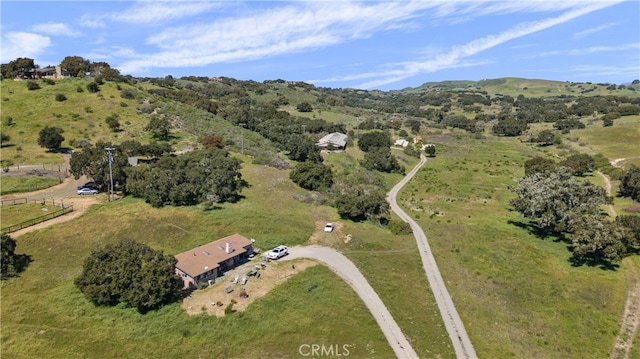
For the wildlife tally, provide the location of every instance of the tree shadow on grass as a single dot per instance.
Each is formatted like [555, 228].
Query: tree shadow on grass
[575, 260]
[19, 264]
[539, 232]
[591, 261]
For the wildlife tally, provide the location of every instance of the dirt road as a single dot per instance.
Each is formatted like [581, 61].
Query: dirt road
[344, 268]
[65, 192]
[453, 323]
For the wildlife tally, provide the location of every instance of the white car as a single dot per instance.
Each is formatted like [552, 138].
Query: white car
[328, 228]
[278, 252]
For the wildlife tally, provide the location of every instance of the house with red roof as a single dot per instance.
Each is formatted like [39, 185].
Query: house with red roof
[209, 261]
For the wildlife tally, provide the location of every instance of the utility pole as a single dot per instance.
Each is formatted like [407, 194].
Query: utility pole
[242, 125]
[110, 156]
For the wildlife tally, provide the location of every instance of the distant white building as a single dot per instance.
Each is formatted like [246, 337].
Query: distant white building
[334, 140]
[401, 142]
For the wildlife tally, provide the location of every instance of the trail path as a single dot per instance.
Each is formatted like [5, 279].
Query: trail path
[453, 323]
[344, 268]
[630, 320]
[607, 186]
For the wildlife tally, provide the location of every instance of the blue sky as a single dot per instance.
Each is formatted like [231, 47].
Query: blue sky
[369, 45]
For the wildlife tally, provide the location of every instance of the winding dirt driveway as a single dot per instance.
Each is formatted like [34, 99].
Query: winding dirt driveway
[453, 323]
[64, 192]
[346, 270]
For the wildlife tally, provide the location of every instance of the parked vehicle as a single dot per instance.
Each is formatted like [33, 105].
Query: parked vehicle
[328, 228]
[278, 252]
[90, 185]
[87, 190]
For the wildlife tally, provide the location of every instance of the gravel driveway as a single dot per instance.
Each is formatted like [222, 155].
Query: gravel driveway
[344, 268]
[453, 323]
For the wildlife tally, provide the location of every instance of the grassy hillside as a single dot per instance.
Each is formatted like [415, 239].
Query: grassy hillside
[44, 314]
[518, 294]
[513, 87]
[82, 116]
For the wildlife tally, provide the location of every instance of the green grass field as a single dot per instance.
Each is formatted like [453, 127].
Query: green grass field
[618, 141]
[18, 213]
[10, 184]
[518, 295]
[44, 315]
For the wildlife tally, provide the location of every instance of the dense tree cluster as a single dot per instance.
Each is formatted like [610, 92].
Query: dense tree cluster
[16, 67]
[559, 204]
[554, 199]
[378, 156]
[373, 139]
[546, 138]
[131, 273]
[207, 176]
[361, 195]
[11, 262]
[579, 163]
[539, 165]
[381, 159]
[93, 162]
[630, 183]
[313, 176]
[510, 127]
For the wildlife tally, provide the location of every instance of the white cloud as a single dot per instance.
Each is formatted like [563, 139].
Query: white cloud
[54, 28]
[92, 21]
[153, 12]
[624, 73]
[452, 58]
[23, 44]
[593, 30]
[303, 26]
[286, 29]
[592, 50]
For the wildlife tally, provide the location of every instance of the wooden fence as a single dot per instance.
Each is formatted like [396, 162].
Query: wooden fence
[64, 209]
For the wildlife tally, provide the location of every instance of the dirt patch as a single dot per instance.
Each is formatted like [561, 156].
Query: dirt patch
[321, 237]
[214, 299]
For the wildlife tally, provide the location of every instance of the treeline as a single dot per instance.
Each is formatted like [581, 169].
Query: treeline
[208, 176]
[297, 135]
[74, 66]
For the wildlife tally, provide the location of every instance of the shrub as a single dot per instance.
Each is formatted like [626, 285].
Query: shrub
[32, 85]
[400, 227]
[93, 87]
[304, 107]
[60, 97]
[128, 94]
